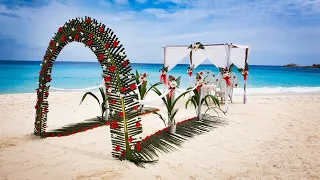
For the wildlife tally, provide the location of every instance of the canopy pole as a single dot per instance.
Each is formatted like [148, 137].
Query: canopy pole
[164, 64]
[245, 80]
[226, 96]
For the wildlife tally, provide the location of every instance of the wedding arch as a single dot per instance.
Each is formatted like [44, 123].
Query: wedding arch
[119, 85]
[220, 55]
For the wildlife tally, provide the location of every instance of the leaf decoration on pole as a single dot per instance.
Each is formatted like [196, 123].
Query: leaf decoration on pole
[193, 47]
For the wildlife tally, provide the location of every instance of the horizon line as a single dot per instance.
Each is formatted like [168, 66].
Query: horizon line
[131, 62]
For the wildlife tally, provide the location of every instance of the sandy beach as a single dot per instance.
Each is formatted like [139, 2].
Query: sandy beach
[272, 137]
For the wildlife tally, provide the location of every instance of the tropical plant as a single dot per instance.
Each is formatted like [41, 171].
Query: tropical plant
[104, 104]
[143, 90]
[195, 100]
[170, 102]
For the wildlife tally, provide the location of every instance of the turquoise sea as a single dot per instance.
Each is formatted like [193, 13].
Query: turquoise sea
[22, 76]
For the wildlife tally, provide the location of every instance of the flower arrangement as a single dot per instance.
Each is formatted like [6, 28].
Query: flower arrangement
[196, 46]
[245, 71]
[173, 84]
[163, 76]
[226, 76]
[190, 69]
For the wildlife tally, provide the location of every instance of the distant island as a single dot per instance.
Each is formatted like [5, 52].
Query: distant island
[298, 66]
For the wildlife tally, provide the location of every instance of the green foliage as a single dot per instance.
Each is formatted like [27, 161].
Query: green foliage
[170, 104]
[195, 100]
[103, 105]
[143, 90]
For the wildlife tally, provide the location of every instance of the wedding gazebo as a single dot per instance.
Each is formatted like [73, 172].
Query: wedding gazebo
[220, 55]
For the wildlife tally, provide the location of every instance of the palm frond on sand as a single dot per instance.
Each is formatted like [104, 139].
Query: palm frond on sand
[165, 142]
[87, 125]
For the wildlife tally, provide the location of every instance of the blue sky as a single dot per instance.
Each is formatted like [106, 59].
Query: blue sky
[279, 31]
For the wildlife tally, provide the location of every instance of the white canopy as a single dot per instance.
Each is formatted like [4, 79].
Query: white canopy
[221, 55]
[216, 53]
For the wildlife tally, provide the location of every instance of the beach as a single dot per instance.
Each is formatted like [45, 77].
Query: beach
[273, 136]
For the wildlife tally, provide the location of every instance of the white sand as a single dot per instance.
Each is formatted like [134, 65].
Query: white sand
[271, 137]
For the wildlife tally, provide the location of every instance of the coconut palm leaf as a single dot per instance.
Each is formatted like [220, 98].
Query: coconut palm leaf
[91, 94]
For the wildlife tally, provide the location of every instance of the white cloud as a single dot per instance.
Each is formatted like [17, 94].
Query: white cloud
[143, 33]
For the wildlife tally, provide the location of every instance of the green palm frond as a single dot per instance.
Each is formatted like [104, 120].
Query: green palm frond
[160, 116]
[91, 94]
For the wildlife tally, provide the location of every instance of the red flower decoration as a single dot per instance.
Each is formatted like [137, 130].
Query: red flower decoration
[123, 153]
[53, 50]
[101, 57]
[60, 29]
[76, 37]
[88, 21]
[107, 45]
[45, 109]
[135, 107]
[79, 28]
[63, 38]
[114, 124]
[138, 124]
[48, 79]
[101, 29]
[138, 146]
[89, 43]
[125, 63]
[52, 43]
[117, 148]
[90, 35]
[112, 68]
[121, 114]
[115, 44]
[107, 79]
[130, 139]
[36, 106]
[133, 87]
[113, 101]
[107, 123]
[123, 89]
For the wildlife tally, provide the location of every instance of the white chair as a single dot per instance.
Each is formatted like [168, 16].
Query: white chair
[222, 86]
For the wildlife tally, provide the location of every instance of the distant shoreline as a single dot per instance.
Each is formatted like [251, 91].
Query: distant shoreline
[292, 65]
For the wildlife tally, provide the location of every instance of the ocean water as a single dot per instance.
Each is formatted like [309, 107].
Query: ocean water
[22, 76]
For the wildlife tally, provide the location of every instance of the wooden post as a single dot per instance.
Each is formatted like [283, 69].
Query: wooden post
[172, 122]
[199, 105]
[245, 92]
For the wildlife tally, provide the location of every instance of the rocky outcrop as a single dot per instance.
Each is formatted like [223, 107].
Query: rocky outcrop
[297, 65]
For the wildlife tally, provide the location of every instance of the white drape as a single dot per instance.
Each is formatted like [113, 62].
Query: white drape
[216, 54]
[197, 57]
[174, 55]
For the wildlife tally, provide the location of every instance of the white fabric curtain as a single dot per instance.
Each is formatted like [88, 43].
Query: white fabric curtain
[197, 57]
[238, 56]
[217, 55]
[174, 55]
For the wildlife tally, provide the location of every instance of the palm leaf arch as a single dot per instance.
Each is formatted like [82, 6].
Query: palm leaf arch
[110, 53]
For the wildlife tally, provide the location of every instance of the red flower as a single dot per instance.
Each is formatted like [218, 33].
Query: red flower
[107, 79]
[107, 123]
[123, 153]
[60, 29]
[36, 107]
[59, 135]
[107, 45]
[138, 146]
[52, 43]
[90, 35]
[133, 86]
[45, 109]
[79, 28]
[95, 126]
[121, 114]
[115, 44]
[135, 107]
[113, 101]
[123, 89]
[114, 124]
[89, 43]
[53, 50]
[112, 68]
[101, 29]
[117, 148]
[130, 139]
[234, 76]
[101, 57]
[63, 38]
[138, 124]
[88, 21]
[48, 79]
[125, 63]
[76, 37]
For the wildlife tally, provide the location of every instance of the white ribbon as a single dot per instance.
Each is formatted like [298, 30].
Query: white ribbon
[84, 89]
